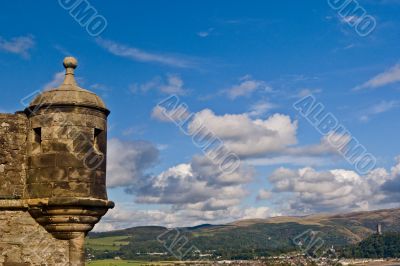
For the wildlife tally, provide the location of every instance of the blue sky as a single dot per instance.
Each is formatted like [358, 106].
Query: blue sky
[239, 68]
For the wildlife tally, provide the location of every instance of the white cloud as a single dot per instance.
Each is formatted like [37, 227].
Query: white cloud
[392, 186]
[381, 107]
[352, 45]
[173, 84]
[247, 137]
[190, 193]
[246, 87]
[128, 162]
[212, 173]
[258, 142]
[192, 197]
[264, 194]
[273, 139]
[338, 190]
[18, 45]
[136, 54]
[126, 216]
[62, 50]
[206, 33]
[333, 143]
[162, 114]
[261, 108]
[203, 34]
[57, 80]
[198, 191]
[387, 77]
[154, 83]
[305, 92]
[350, 19]
[177, 185]
[290, 159]
[199, 185]
[256, 213]
[99, 87]
[323, 153]
[134, 130]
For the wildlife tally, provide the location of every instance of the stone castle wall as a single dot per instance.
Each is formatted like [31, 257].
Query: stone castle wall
[13, 155]
[23, 241]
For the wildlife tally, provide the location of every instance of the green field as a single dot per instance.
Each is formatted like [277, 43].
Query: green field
[115, 262]
[111, 243]
[127, 263]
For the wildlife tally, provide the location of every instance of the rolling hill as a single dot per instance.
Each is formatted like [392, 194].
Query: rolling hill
[241, 239]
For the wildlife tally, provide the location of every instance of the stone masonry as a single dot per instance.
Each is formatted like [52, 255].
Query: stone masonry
[52, 175]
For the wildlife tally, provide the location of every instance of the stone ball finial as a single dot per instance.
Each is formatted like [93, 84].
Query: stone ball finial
[68, 93]
[70, 62]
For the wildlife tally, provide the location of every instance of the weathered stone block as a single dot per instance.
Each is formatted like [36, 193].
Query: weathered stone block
[99, 190]
[13, 149]
[17, 264]
[55, 132]
[39, 175]
[80, 174]
[71, 189]
[52, 146]
[25, 242]
[42, 160]
[68, 160]
[40, 190]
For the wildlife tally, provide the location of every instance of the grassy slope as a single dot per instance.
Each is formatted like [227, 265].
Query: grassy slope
[107, 243]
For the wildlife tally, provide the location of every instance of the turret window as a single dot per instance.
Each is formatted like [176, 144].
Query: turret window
[37, 140]
[38, 135]
[98, 139]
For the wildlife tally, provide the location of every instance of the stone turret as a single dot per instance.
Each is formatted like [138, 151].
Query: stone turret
[67, 160]
[64, 185]
[67, 142]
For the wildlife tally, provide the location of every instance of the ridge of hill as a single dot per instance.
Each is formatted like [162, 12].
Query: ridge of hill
[245, 238]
